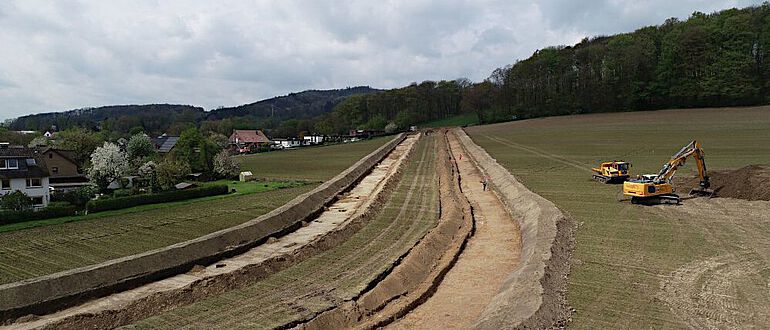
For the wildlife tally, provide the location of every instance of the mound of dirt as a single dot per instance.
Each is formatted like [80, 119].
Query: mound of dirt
[750, 183]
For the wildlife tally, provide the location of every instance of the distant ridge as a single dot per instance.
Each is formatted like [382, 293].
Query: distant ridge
[157, 118]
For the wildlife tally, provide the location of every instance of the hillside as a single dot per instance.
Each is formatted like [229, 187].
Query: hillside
[151, 117]
[302, 105]
[169, 118]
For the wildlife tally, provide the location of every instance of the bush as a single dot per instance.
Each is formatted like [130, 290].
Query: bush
[52, 211]
[116, 203]
[78, 197]
[16, 201]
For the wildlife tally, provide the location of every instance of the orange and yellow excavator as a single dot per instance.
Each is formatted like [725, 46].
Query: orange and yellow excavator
[654, 189]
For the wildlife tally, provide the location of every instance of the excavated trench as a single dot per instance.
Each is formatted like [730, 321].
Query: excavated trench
[526, 290]
[337, 222]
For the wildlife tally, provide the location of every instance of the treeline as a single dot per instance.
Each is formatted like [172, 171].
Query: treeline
[155, 119]
[399, 107]
[124, 119]
[709, 60]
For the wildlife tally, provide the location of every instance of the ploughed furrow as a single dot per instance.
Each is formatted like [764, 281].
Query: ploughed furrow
[330, 278]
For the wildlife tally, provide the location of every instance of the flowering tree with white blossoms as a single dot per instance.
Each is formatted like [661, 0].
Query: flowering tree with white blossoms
[108, 164]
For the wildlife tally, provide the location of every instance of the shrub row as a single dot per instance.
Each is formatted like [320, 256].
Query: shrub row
[99, 205]
[55, 211]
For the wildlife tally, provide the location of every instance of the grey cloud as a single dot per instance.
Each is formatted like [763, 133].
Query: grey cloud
[68, 54]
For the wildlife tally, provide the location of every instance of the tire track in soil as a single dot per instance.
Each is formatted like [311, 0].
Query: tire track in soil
[730, 289]
[300, 295]
[540, 153]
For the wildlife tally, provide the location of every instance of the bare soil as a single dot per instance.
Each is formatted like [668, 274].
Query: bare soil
[730, 289]
[491, 254]
[750, 182]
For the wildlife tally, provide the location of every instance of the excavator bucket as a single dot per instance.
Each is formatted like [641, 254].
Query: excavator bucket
[702, 192]
[703, 189]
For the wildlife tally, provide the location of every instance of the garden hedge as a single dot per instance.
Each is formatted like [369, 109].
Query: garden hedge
[107, 204]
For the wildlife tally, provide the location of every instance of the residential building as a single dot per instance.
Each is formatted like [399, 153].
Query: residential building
[313, 139]
[248, 140]
[164, 143]
[287, 143]
[65, 174]
[22, 169]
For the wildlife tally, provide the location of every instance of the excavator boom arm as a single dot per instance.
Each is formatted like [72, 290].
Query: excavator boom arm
[678, 159]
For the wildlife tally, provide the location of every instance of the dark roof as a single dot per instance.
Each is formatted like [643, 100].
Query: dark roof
[165, 143]
[27, 167]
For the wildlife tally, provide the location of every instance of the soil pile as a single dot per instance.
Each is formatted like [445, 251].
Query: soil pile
[750, 183]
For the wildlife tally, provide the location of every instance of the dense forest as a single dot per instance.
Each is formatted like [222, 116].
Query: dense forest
[708, 60]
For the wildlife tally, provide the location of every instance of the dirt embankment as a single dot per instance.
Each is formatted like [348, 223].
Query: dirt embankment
[750, 183]
[420, 271]
[534, 294]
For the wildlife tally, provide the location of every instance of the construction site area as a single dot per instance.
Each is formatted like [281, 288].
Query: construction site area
[490, 227]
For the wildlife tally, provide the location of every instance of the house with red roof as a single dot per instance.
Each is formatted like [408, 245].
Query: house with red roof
[248, 140]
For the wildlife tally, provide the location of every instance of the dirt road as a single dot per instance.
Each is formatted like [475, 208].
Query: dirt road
[490, 255]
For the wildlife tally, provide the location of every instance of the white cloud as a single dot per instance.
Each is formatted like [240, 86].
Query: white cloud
[58, 55]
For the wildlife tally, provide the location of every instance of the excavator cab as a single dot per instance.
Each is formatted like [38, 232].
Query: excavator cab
[612, 172]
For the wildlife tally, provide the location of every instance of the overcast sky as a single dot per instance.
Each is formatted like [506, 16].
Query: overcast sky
[59, 55]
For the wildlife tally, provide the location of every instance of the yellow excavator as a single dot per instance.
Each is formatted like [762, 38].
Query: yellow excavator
[610, 172]
[652, 189]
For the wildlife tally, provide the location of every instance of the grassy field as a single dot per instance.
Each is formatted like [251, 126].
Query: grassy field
[49, 249]
[328, 278]
[311, 163]
[625, 252]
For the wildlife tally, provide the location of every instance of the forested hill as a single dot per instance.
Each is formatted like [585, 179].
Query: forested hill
[152, 118]
[709, 60]
[155, 119]
[302, 105]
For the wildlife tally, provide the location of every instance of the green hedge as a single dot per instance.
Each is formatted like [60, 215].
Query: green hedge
[106, 204]
[9, 217]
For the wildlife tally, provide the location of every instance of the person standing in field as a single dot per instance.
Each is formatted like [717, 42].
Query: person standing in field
[484, 184]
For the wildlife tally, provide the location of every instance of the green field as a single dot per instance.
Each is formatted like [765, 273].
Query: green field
[49, 249]
[43, 247]
[624, 252]
[336, 275]
[310, 163]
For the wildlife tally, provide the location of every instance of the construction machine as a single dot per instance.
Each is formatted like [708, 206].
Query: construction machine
[654, 189]
[610, 172]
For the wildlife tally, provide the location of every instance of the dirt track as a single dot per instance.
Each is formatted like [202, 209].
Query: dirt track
[491, 254]
[727, 290]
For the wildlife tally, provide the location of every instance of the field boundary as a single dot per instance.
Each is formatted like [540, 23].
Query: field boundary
[534, 294]
[49, 293]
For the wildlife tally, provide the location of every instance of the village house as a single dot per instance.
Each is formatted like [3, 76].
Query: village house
[65, 174]
[165, 143]
[22, 169]
[311, 140]
[287, 143]
[248, 140]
